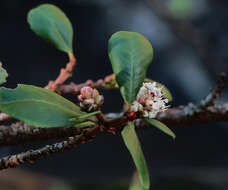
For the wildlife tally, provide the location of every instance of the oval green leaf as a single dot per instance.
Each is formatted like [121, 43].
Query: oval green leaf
[38, 106]
[3, 74]
[132, 143]
[51, 24]
[130, 54]
[161, 126]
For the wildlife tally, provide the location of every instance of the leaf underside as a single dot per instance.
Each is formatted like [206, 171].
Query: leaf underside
[132, 143]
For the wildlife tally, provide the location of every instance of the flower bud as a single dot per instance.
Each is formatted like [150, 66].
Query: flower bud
[90, 99]
[86, 92]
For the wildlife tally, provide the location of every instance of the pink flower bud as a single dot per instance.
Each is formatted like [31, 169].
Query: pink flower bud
[95, 93]
[90, 99]
[86, 92]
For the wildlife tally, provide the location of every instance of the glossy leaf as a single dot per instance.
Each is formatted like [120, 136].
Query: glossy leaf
[131, 141]
[161, 126]
[38, 106]
[51, 24]
[3, 74]
[130, 54]
[165, 90]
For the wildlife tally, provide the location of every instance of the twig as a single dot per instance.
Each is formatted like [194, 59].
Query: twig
[173, 117]
[20, 133]
[72, 88]
[33, 155]
[64, 74]
[215, 92]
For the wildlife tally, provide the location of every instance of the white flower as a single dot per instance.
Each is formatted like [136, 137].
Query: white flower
[150, 100]
[135, 106]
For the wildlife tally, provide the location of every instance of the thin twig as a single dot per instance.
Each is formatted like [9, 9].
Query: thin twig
[64, 74]
[72, 88]
[33, 155]
[215, 92]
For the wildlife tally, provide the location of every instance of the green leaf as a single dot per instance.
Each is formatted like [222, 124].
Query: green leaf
[3, 74]
[38, 106]
[51, 24]
[131, 141]
[161, 126]
[130, 54]
[135, 183]
[165, 91]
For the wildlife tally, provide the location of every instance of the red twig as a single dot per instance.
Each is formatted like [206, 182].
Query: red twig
[64, 74]
[72, 88]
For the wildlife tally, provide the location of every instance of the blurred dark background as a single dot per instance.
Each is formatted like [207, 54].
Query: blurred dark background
[190, 41]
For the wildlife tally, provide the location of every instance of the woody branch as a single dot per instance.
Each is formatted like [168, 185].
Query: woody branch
[207, 111]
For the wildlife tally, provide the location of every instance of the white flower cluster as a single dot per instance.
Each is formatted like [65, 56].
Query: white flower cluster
[150, 101]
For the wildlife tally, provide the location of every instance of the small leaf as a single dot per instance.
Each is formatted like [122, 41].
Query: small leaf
[131, 141]
[3, 74]
[165, 91]
[51, 24]
[38, 106]
[161, 126]
[130, 54]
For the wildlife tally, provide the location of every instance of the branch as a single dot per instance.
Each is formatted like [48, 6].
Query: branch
[33, 155]
[180, 116]
[21, 133]
[173, 117]
[205, 112]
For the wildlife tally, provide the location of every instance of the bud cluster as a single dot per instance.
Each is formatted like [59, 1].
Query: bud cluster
[150, 101]
[90, 99]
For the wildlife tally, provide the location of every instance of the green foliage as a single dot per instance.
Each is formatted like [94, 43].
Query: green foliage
[161, 126]
[130, 54]
[165, 91]
[131, 141]
[51, 24]
[135, 183]
[3, 74]
[39, 107]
